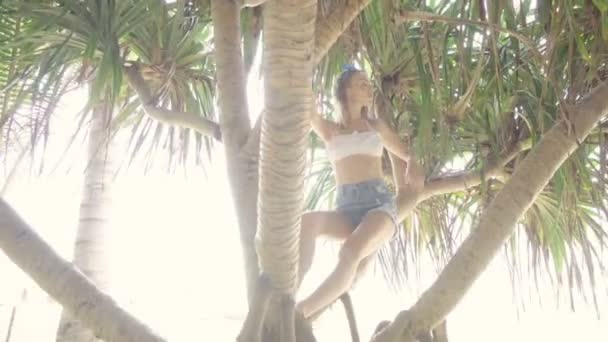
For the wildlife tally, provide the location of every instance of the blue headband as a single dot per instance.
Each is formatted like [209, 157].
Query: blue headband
[349, 67]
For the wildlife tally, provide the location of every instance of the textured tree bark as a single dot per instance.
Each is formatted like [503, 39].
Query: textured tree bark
[66, 284]
[287, 64]
[500, 218]
[289, 27]
[92, 242]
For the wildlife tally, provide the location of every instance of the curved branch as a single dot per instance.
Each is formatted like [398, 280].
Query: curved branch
[235, 126]
[329, 30]
[65, 283]
[170, 117]
[500, 218]
[470, 179]
[230, 75]
[186, 120]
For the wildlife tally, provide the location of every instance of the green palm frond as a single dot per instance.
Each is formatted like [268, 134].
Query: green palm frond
[462, 80]
[30, 92]
[11, 90]
[172, 52]
[171, 43]
[92, 28]
[520, 65]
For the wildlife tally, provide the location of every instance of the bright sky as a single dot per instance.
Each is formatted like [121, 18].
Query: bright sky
[176, 262]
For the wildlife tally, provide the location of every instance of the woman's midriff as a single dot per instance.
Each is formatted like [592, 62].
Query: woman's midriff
[356, 169]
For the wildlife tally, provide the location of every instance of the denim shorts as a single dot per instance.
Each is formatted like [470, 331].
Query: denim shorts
[356, 200]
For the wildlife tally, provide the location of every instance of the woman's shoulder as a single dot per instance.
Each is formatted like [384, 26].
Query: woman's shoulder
[326, 128]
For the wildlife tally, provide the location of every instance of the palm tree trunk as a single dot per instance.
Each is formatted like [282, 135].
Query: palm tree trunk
[240, 142]
[91, 247]
[66, 284]
[287, 61]
[289, 27]
[500, 218]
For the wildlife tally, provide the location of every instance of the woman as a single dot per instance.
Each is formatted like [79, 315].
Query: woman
[365, 217]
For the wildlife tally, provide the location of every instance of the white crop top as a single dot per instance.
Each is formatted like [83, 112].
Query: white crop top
[345, 145]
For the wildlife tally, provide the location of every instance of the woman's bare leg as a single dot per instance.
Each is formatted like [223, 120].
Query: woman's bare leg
[319, 223]
[363, 268]
[375, 229]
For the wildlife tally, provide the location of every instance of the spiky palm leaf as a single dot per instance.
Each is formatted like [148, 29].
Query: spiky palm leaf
[29, 92]
[463, 80]
[168, 42]
[172, 53]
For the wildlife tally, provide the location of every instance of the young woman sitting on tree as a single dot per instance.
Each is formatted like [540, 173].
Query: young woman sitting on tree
[366, 213]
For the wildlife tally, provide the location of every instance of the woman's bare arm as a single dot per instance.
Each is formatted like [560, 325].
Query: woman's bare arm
[322, 127]
[391, 140]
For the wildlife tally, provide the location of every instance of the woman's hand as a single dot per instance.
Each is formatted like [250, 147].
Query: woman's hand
[414, 175]
[322, 127]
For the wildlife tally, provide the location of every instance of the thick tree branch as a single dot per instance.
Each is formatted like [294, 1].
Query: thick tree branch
[236, 126]
[500, 218]
[467, 180]
[66, 284]
[415, 190]
[329, 30]
[331, 27]
[232, 96]
[169, 117]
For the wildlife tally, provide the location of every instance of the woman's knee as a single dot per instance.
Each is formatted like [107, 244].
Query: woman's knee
[350, 253]
[375, 229]
[311, 224]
